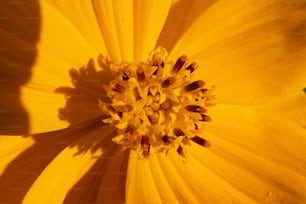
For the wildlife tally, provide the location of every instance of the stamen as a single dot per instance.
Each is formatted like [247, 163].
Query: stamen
[168, 82]
[196, 109]
[123, 108]
[191, 67]
[205, 118]
[181, 151]
[140, 75]
[125, 77]
[199, 140]
[136, 94]
[148, 103]
[118, 88]
[166, 139]
[178, 132]
[130, 129]
[179, 64]
[194, 85]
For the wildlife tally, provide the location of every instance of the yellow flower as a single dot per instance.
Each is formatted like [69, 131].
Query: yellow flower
[252, 51]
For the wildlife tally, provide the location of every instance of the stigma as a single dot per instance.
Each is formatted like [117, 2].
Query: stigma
[156, 105]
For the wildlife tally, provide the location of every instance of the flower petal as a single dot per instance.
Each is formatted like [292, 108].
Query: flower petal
[140, 184]
[116, 24]
[149, 19]
[257, 178]
[82, 15]
[269, 134]
[249, 49]
[181, 15]
[196, 184]
[67, 168]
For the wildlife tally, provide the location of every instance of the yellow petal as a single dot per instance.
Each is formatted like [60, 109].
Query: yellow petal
[247, 49]
[181, 16]
[116, 24]
[253, 176]
[82, 15]
[149, 19]
[267, 133]
[140, 184]
[194, 183]
[67, 168]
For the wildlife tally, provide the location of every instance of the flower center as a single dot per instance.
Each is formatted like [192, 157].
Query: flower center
[155, 106]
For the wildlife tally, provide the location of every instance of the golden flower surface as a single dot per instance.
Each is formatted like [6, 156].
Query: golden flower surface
[62, 152]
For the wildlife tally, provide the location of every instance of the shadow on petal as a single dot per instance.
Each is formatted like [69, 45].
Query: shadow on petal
[19, 33]
[105, 181]
[22, 172]
[294, 24]
[181, 16]
[82, 98]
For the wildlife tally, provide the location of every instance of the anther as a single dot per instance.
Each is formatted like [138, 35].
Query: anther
[111, 108]
[168, 82]
[196, 109]
[125, 77]
[191, 67]
[199, 140]
[130, 129]
[123, 108]
[205, 118]
[194, 85]
[158, 62]
[118, 88]
[178, 132]
[140, 75]
[166, 139]
[180, 151]
[145, 142]
[179, 64]
[146, 153]
[136, 94]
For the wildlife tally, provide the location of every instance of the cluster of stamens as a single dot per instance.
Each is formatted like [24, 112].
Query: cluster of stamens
[156, 106]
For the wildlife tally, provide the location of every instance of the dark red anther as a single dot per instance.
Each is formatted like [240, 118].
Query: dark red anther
[130, 129]
[166, 139]
[140, 74]
[205, 118]
[178, 132]
[179, 64]
[125, 77]
[145, 140]
[180, 151]
[168, 82]
[195, 108]
[118, 88]
[191, 67]
[194, 85]
[199, 140]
